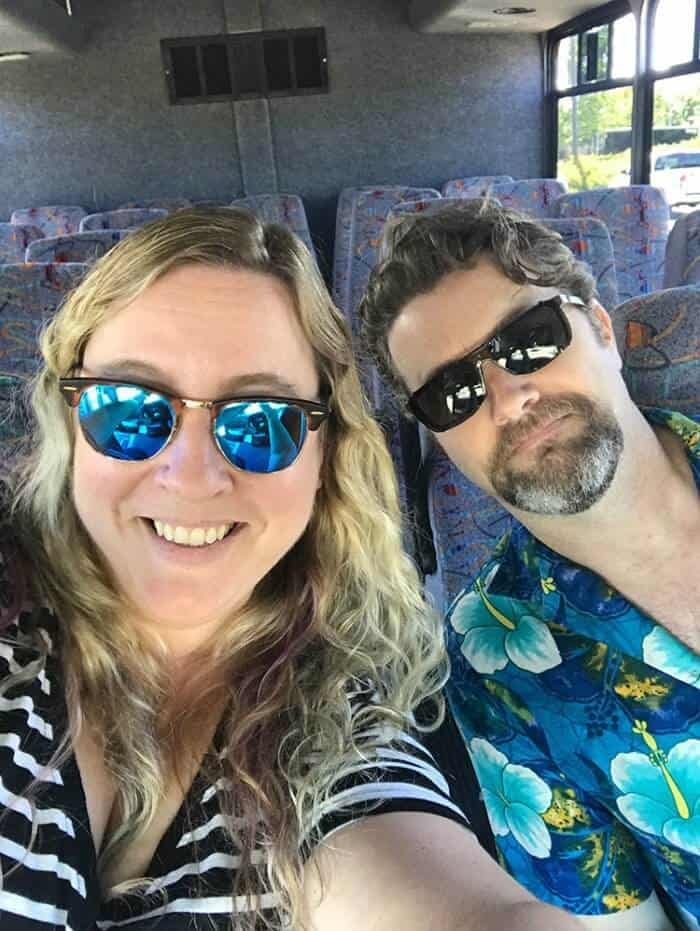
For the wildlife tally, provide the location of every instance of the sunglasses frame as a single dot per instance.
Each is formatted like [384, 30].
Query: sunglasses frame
[315, 411]
[489, 351]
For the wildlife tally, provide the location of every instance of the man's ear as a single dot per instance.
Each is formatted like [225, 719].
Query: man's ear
[603, 326]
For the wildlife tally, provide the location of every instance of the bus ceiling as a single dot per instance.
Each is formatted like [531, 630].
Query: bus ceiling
[455, 16]
[40, 27]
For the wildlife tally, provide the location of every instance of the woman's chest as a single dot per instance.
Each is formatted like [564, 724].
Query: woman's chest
[106, 812]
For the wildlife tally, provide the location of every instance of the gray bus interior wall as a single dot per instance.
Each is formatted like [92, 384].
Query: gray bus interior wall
[96, 128]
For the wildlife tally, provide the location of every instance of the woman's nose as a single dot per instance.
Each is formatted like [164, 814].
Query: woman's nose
[192, 465]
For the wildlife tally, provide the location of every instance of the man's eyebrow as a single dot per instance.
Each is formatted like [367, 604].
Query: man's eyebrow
[137, 369]
[503, 321]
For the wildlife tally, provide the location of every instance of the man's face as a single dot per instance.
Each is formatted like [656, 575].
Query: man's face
[548, 442]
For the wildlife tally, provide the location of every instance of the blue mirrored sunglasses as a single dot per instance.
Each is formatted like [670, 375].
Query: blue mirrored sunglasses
[133, 422]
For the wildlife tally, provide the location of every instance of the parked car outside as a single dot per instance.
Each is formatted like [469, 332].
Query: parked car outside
[678, 175]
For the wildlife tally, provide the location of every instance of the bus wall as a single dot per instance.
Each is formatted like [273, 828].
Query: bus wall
[96, 128]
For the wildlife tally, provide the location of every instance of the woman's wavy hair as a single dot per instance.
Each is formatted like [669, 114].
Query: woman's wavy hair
[343, 609]
[418, 250]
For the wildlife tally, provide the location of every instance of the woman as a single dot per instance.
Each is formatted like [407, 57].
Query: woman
[215, 643]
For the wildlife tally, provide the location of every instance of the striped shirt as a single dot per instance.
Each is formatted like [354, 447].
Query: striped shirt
[52, 883]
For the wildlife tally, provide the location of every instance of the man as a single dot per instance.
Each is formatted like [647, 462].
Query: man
[575, 667]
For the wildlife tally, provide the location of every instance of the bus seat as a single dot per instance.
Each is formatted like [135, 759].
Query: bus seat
[683, 252]
[14, 240]
[466, 523]
[477, 186]
[53, 220]
[637, 218]
[285, 209]
[29, 295]
[121, 219]
[659, 340]
[589, 240]
[360, 218]
[78, 247]
[531, 195]
[159, 203]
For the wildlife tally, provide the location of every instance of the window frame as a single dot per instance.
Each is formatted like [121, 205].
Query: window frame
[233, 42]
[642, 83]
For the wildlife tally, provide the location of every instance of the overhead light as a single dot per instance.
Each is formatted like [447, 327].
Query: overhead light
[13, 56]
[514, 10]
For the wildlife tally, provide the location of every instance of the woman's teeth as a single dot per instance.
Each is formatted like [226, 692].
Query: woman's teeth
[193, 536]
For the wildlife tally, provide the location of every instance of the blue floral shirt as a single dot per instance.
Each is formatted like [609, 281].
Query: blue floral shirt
[582, 718]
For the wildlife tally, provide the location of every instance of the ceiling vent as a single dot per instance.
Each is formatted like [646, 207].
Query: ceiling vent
[463, 16]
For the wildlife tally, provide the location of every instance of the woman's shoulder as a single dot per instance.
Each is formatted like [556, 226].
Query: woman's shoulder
[390, 770]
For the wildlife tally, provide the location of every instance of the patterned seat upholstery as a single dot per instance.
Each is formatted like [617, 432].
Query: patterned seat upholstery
[79, 247]
[637, 218]
[14, 240]
[121, 219]
[160, 203]
[466, 522]
[285, 209]
[682, 264]
[360, 218]
[532, 195]
[54, 220]
[587, 238]
[659, 340]
[477, 186]
[590, 241]
[29, 295]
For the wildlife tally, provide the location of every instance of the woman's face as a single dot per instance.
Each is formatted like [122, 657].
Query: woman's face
[203, 333]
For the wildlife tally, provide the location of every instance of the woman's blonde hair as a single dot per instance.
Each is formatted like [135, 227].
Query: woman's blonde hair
[342, 611]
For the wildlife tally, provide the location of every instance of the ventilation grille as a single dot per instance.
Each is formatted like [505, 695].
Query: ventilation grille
[241, 66]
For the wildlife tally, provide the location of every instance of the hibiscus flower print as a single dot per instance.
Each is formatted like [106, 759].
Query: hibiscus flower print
[515, 798]
[497, 631]
[661, 791]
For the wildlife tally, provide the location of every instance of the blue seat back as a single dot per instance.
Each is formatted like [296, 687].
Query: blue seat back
[285, 209]
[121, 219]
[682, 265]
[162, 203]
[360, 219]
[29, 295]
[637, 218]
[78, 247]
[53, 220]
[14, 240]
[531, 195]
[477, 186]
[589, 240]
[659, 340]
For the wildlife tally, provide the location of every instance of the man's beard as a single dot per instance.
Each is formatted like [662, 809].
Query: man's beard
[565, 476]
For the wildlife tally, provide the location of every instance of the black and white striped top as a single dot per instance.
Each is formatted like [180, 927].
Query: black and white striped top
[55, 885]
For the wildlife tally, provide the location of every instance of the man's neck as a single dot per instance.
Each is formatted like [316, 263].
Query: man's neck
[650, 513]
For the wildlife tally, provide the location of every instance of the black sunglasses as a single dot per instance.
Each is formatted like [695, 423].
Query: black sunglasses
[133, 422]
[524, 345]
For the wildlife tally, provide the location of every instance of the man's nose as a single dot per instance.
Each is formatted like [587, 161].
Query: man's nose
[192, 466]
[508, 396]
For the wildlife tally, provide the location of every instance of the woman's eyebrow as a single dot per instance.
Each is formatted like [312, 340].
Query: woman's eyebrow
[137, 369]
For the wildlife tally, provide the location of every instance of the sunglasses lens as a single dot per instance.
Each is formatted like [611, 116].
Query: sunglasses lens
[533, 340]
[449, 398]
[526, 345]
[125, 421]
[261, 436]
